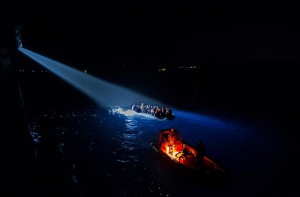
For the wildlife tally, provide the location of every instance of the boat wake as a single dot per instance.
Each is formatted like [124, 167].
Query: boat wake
[129, 112]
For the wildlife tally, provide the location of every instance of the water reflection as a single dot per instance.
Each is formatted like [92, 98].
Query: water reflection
[114, 146]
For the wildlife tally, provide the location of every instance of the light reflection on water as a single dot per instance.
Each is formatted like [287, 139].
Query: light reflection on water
[121, 139]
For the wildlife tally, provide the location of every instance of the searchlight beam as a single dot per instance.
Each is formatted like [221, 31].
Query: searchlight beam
[105, 94]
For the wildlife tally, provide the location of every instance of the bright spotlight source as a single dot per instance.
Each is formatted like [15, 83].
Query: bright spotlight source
[103, 93]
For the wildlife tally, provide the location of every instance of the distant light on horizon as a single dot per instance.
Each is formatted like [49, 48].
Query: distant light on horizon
[105, 94]
[188, 67]
[162, 70]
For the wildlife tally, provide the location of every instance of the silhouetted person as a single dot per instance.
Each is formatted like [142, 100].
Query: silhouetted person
[200, 150]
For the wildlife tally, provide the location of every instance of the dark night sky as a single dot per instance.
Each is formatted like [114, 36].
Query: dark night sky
[215, 32]
[250, 52]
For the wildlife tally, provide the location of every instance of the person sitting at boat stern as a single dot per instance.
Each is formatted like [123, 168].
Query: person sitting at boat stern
[200, 153]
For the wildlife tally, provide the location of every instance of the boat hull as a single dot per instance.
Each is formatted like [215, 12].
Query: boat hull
[209, 168]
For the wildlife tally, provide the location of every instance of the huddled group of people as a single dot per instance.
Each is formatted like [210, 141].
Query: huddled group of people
[156, 111]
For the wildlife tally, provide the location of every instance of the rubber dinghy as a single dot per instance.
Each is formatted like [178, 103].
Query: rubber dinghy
[156, 111]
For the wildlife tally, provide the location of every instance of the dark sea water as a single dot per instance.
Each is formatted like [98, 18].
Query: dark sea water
[83, 149]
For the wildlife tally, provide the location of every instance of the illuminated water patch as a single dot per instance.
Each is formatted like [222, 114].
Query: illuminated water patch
[129, 112]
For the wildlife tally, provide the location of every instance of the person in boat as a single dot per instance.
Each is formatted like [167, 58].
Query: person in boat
[163, 112]
[169, 139]
[136, 108]
[170, 136]
[200, 153]
[152, 110]
[173, 135]
[142, 106]
[169, 112]
[133, 108]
